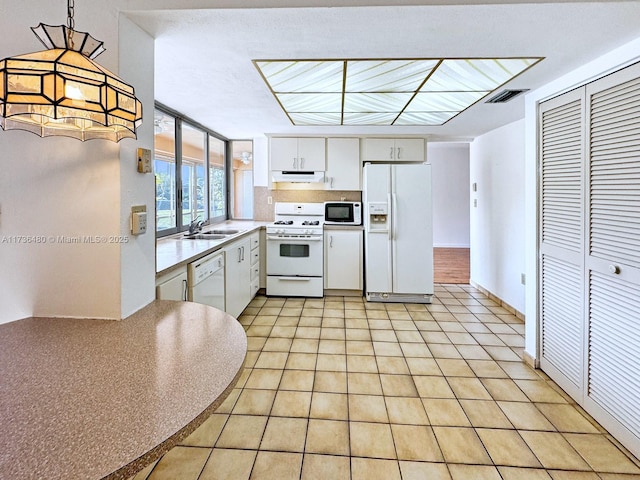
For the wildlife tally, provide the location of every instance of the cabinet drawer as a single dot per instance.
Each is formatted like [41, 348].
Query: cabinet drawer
[255, 271]
[255, 240]
[255, 256]
[255, 286]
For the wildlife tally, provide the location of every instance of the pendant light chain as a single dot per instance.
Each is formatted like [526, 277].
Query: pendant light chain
[71, 5]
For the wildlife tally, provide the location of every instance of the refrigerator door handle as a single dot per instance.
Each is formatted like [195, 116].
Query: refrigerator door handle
[389, 217]
[394, 211]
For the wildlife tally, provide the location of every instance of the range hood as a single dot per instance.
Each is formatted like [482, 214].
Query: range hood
[297, 176]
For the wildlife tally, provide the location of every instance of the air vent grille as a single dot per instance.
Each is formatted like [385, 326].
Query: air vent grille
[505, 95]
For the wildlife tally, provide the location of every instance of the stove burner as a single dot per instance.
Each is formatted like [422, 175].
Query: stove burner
[309, 222]
[283, 222]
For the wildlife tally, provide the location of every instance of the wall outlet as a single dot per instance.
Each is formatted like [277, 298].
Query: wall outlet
[269, 200]
[138, 219]
[523, 279]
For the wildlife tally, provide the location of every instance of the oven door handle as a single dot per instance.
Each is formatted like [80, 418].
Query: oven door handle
[294, 279]
[294, 239]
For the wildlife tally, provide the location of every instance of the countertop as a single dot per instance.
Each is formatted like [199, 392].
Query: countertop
[92, 399]
[173, 251]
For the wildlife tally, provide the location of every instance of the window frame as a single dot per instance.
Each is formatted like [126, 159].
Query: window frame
[180, 120]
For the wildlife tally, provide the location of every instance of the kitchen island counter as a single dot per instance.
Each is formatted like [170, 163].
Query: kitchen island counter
[92, 399]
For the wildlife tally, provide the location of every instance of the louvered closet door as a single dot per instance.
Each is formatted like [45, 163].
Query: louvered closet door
[561, 240]
[613, 259]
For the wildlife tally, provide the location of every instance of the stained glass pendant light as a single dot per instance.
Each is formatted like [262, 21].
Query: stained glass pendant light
[62, 91]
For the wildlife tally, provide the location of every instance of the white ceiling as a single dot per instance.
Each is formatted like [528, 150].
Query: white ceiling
[204, 69]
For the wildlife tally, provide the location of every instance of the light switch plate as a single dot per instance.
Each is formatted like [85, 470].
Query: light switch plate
[144, 160]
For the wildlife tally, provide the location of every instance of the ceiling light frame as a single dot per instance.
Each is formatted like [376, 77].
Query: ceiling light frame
[385, 91]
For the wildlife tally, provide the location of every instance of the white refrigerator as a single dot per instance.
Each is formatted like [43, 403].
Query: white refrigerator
[398, 233]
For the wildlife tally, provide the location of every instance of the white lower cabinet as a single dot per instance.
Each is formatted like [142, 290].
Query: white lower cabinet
[343, 259]
[172, 286]
[237, 276]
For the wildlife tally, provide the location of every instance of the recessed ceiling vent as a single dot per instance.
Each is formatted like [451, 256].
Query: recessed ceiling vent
[506, 95]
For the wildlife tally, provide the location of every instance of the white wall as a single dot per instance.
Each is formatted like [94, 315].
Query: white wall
[138, 255]
[260, 162]
[450, 193]
[59, 187]
[497, 164]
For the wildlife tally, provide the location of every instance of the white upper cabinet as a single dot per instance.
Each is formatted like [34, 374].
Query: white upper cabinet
[298, 154]
[343, 164]
[393, 150]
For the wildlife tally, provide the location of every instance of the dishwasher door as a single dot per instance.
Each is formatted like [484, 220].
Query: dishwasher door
[206, 281]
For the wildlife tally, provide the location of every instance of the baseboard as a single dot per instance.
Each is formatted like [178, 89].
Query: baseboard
[342, 293]
[530, 360]
[527, 358]
[498, 300]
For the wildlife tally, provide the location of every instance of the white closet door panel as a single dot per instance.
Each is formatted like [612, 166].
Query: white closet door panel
[613, 254]
[614, 356]
[562, 327]
[561, 175]
[614, 148]
[562, 330]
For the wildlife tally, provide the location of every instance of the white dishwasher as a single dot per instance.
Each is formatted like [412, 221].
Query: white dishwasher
[206, 280]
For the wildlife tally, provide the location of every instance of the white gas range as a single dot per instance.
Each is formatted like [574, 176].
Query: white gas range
[295, 250]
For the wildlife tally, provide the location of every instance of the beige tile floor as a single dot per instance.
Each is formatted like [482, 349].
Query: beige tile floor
[338, 388]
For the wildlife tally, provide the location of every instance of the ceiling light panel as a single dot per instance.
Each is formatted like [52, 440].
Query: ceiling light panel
[375, 102]
[381, 119]
[315, 118]
[309, 102]
[424, 118]
[443, 101]
[385, 91]
[387, 75]
[475, 74]
[303, 76]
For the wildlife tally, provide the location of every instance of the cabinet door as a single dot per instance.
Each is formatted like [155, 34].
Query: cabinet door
[343, 164]
[409, 150]
[343, 259]
[284, 154]
[378, 149]
[237, 276]
[173, 289]
[311, 154]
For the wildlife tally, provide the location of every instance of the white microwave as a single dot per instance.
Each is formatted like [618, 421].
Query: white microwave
[343, 213]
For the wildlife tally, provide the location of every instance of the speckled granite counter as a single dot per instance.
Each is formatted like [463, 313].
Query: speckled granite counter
[174, 251]
[91, 399]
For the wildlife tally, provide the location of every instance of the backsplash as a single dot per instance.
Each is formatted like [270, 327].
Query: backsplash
[263, 211]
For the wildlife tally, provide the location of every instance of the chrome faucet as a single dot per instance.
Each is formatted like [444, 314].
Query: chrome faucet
[195, 226]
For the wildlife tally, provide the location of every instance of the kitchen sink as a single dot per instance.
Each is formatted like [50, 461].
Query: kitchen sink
[223, 231]
[204, 236]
